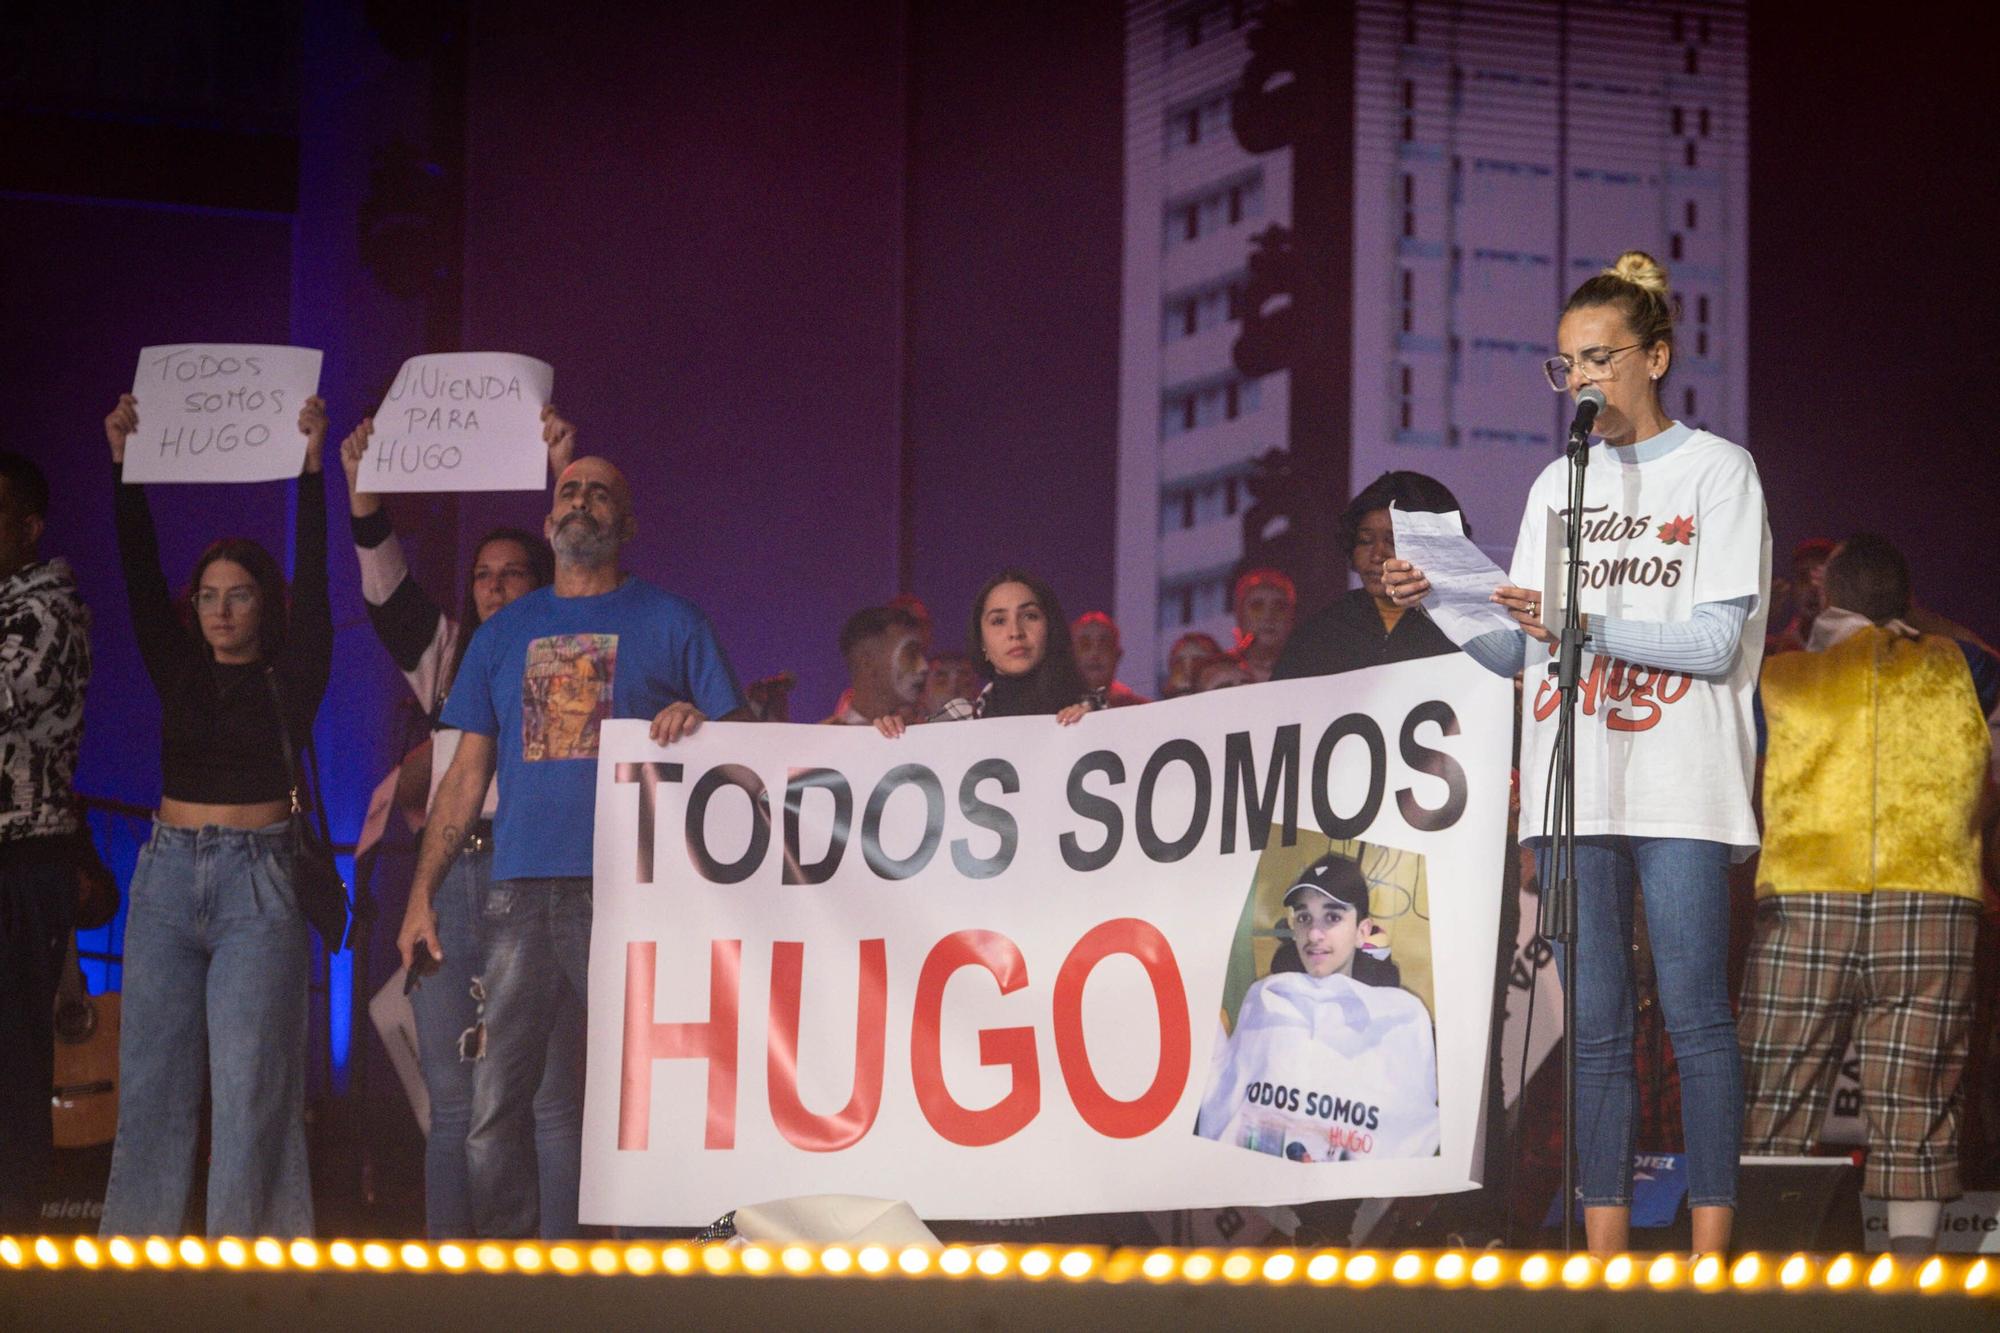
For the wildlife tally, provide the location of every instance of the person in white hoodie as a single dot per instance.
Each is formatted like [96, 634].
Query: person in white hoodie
[1324, 1065]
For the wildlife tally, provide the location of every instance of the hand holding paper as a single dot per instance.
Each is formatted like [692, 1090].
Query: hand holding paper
[1462, 579]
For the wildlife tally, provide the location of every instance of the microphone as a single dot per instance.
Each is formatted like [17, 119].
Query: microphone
[1588, 404]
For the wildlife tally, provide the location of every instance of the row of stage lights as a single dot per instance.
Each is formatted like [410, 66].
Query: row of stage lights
[1479, 1269]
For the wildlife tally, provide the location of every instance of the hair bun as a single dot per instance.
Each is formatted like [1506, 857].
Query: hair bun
[1641, 270]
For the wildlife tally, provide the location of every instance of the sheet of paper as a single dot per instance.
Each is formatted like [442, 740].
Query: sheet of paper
[220, 412]
[1555, 566]
[462, 421]
[1462, 578]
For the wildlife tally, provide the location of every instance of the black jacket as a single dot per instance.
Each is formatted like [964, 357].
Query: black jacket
[1348, 635]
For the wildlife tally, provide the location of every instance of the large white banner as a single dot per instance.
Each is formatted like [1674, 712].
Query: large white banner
[1007, 968]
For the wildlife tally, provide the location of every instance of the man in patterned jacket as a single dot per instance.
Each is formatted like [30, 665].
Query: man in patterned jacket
[44, 664]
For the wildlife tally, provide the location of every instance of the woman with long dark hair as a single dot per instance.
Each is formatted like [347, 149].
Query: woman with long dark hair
[1673, 586]
[217, 952]
[1020, 640]
[427, 645]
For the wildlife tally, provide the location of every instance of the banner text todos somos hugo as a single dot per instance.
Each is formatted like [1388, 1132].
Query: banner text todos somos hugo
[1006, 968]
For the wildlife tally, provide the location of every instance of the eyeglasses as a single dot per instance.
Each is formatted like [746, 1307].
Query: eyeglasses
[1592, 363]
[237, 599]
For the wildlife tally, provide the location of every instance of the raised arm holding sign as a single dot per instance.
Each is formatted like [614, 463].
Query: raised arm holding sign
[220, 412]
[461, 421]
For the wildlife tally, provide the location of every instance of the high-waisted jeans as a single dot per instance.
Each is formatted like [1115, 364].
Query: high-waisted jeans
[1687, 921]
[217, 956]
[449, 1015]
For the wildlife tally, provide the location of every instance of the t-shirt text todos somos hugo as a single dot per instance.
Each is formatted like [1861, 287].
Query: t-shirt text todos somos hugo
[1659, 753]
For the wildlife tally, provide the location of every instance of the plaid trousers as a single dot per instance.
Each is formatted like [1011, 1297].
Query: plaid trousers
[1894, 969]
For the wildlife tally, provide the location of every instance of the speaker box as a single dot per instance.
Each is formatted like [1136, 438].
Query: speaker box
[1799, 1203]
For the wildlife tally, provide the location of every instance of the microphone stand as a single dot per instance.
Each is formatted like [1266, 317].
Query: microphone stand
[1559, 894]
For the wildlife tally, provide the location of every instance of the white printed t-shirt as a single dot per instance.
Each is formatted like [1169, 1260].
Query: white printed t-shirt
[1659, 753]
[1325, 1069]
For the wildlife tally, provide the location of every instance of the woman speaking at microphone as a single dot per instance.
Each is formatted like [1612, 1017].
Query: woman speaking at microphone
[1673, 585]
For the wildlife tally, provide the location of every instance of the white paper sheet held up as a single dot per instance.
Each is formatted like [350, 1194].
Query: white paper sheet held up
[1462, 578]
[220, 412]
[462, 421]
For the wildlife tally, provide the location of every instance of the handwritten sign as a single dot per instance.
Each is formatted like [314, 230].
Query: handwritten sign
[220, 412]
[462, 421]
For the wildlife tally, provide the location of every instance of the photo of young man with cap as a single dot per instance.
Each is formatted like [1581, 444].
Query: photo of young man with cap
[1333, 1062]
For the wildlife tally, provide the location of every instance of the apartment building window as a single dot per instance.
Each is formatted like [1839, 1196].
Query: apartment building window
[1193, 24]
[1190, 125]
[1189, 313]
[1211, 404]
[1227, 205]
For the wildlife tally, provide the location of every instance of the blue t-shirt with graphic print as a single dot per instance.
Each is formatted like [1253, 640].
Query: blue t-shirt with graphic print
[543, 675]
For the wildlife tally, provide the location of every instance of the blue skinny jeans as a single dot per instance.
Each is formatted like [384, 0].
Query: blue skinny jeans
[1687, 921]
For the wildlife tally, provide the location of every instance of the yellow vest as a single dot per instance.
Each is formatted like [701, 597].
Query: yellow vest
[1873, 769]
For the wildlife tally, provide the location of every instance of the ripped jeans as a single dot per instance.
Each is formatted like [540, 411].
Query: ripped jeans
[449, 1012]
[536, 958]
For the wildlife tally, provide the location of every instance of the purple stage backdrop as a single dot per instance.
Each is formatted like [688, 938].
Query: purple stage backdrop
[839, 287]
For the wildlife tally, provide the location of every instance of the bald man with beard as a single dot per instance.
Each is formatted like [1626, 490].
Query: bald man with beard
[538, 681]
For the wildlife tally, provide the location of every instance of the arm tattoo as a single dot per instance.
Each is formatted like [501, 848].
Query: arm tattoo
[434, 857]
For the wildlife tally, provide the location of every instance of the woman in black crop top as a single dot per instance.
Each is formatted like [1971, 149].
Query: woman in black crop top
[217, 954]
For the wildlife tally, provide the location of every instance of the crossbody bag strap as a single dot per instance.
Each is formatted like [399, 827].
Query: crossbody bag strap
[318, 794]
[285, 738]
